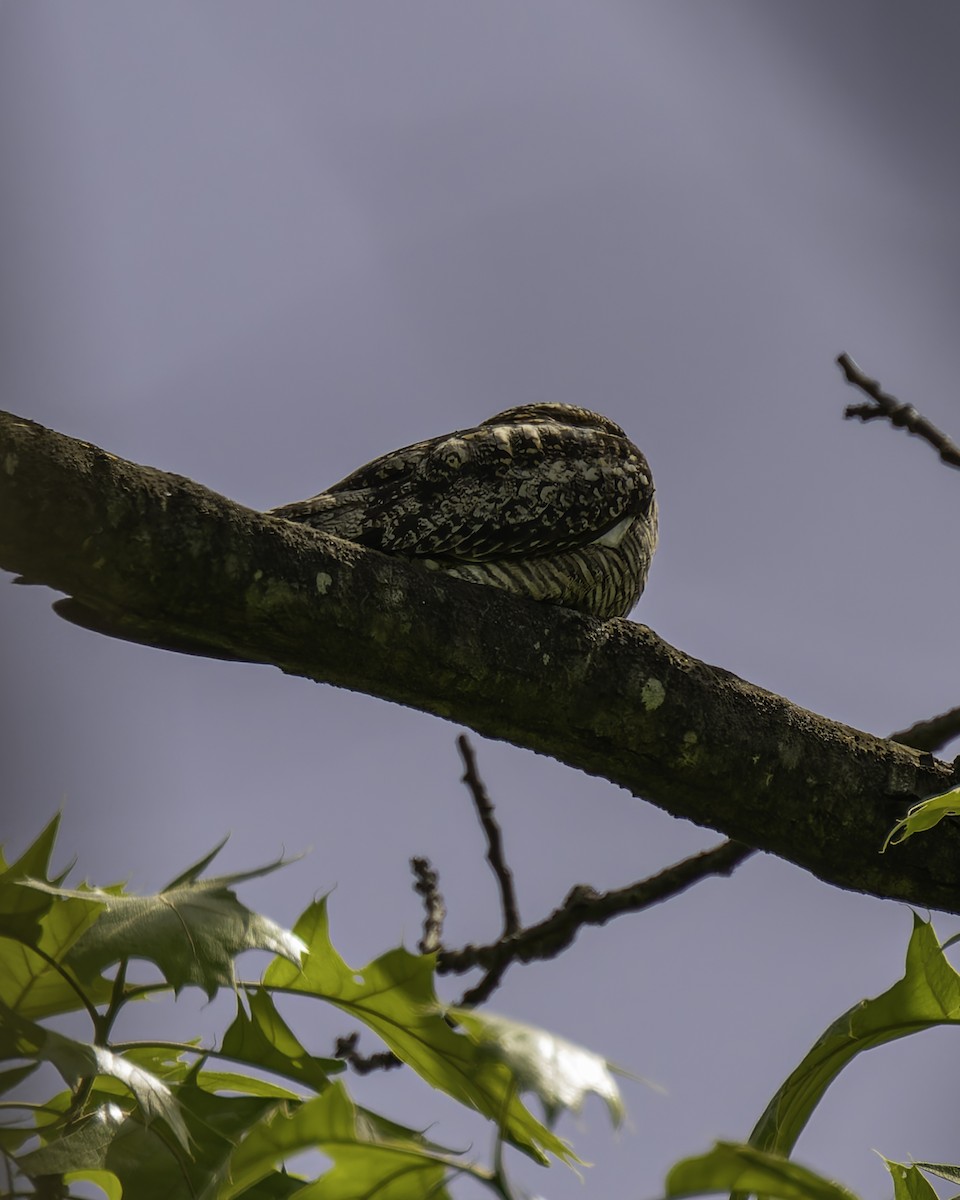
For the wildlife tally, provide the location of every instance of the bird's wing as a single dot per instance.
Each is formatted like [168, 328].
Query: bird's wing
[494, 492]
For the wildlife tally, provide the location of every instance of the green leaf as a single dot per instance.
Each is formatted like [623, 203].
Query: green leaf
[730, 1167]
[78, 1060]
[278, 1186]
[21, 908]
[164, 1061]
[909, 1183]
[246, 1085]
[150, 1168]
[35, 987]
[927, 995]
[106, 1181]
[46, 1118]
[15, 1076]
[561, 1073]
[394, 996]
[12, 1138]
[150, 1165]
[191, 930]
[263, 1039]
[924, 816]
[38, 927]
[83, 1148]
[948, 1171]
[365, 1165]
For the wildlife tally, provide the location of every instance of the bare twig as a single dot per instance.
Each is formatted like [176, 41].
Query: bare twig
[427, 886]
[364, 1064]
[930, 735]
[484, 807]
[903, 416]
[584, 906]
[482, 991]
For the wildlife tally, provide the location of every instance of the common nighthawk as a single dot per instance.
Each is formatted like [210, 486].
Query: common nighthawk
[548, 501]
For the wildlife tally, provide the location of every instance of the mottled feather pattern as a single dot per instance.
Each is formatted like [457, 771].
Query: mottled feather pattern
[548, 501]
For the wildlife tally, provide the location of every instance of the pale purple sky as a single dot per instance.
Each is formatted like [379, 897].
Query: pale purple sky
[258, 245]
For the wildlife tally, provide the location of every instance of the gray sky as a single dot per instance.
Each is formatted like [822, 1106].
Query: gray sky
[258, 245]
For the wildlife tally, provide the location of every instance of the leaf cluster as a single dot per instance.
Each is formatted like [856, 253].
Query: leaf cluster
[161, 1119]
[165, 1121]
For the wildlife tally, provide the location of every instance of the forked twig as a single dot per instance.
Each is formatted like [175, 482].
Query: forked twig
[585, 906]
[903, 416]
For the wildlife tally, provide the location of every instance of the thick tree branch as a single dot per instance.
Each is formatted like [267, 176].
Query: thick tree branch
[158, 559]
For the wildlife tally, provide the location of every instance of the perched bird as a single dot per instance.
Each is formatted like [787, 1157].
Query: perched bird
[548, 501]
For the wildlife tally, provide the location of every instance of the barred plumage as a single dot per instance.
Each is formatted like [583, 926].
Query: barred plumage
[548, 501]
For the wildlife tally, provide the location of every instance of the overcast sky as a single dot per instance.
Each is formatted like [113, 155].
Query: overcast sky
[260, 244]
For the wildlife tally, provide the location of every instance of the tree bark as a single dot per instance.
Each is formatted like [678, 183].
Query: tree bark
[155, 558]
